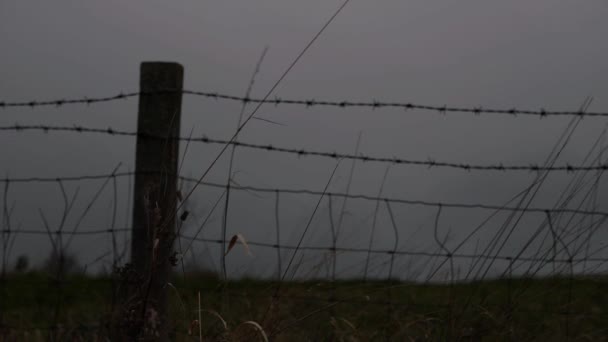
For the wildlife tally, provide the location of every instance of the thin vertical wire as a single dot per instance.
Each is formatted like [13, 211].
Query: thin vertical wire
[6, 231]
[348, 185]
[334, 237]
[396, 244]
[114, 245]
[374, 221]
[278, 234]
[557, 238]
[389, 277]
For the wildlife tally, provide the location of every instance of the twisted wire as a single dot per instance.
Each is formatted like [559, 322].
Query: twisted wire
[300, 152]
[374, 104]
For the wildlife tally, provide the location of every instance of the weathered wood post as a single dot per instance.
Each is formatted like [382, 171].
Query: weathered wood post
[144, 308]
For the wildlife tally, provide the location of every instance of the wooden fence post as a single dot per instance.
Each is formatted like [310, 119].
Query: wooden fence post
[144, 303]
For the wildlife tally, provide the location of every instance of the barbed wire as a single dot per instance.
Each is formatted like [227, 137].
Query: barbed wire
[74, 101]
[430, 163]
[454, 205]
[443, 109]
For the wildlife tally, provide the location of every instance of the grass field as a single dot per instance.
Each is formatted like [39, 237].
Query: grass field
[516, 310]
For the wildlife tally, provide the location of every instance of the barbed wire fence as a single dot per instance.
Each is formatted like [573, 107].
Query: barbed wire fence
[562, 243]
[374, 104]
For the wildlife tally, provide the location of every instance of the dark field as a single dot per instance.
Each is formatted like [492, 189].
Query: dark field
[36, 307]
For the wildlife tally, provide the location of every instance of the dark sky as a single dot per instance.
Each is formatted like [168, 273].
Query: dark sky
[524, 54]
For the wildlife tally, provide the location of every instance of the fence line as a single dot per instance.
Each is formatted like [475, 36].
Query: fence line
[330, 249]
[430, 163]
[543, 256]
[443, 109]
[505, 208]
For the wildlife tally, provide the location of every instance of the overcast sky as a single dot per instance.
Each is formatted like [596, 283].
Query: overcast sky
[524, 54]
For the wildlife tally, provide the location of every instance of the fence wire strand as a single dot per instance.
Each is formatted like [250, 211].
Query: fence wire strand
[435, 204]
[374, 104]
[300, 152]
